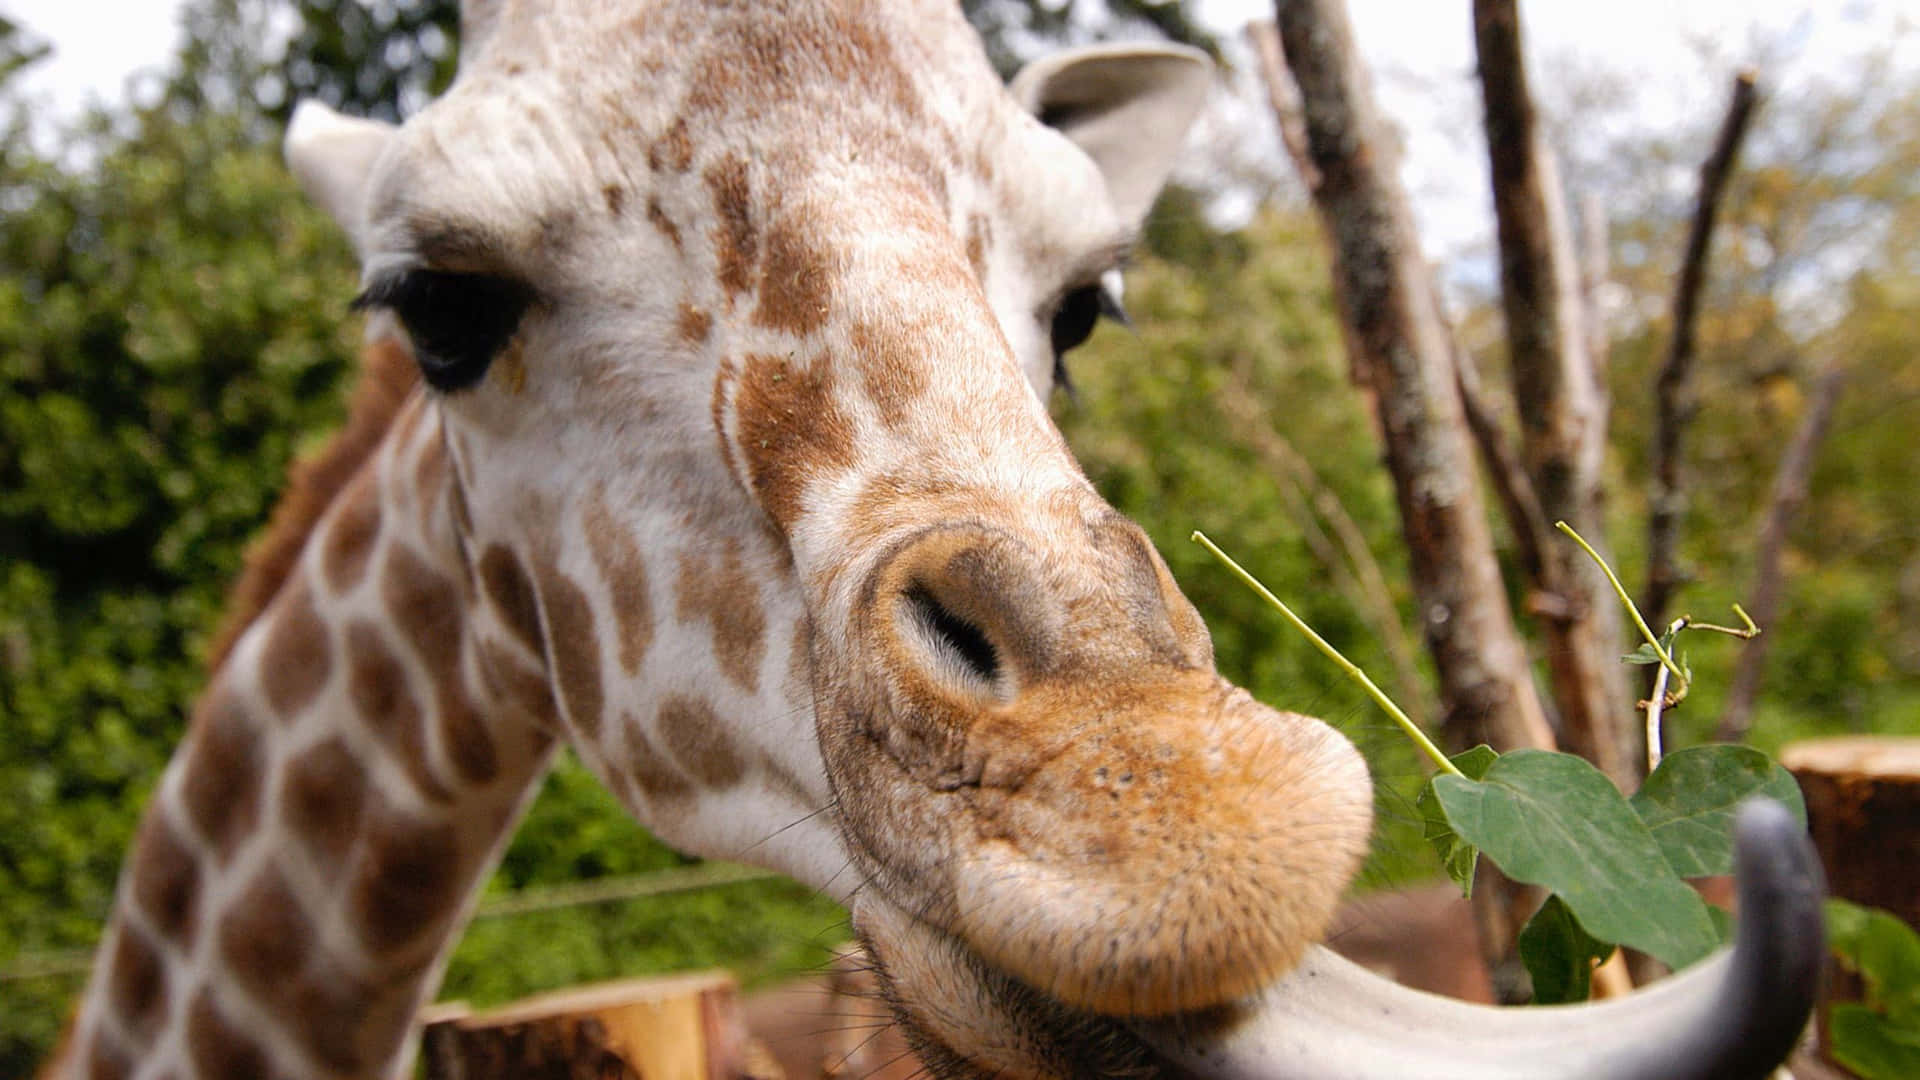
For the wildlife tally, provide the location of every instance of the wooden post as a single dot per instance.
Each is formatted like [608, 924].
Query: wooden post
[677, 1027]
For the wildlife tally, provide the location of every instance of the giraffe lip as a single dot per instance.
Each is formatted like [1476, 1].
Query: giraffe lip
[1735, 1015]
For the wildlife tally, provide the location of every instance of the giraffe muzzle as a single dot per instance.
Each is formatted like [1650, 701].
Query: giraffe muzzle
[1111, 823]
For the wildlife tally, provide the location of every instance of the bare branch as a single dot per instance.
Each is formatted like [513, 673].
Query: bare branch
[1511, 485]
[1673, 397]
[1789, 491]
[1561, 402]
[1284, 96]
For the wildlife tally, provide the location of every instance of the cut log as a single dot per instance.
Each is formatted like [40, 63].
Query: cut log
[678, 1027]
[1863, 810]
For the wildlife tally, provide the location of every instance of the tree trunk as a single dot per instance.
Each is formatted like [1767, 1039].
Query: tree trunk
[1561, 403]
[680, 1027]
[1389, 317]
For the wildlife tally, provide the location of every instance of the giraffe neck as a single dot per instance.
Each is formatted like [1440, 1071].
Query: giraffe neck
[306, 857]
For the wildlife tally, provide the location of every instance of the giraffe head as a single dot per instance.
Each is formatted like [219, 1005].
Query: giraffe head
[739, 322]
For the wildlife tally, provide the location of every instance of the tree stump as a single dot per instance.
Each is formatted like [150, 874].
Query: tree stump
[678, 1027]
[1863, 811]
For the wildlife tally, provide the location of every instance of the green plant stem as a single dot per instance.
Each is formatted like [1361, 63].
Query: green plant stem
[1620, 590]
[1352, 669]
[1746, 632]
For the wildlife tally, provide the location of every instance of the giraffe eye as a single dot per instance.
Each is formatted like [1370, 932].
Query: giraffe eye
[1073, 320]
[458, 322]
[1073, 323]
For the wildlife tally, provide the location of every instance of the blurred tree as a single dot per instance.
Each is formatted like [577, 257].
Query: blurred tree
[380, 58]
[18, 49]
[1815, 267]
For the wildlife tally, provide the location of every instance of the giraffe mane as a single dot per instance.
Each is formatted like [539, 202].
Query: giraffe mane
[387, 378]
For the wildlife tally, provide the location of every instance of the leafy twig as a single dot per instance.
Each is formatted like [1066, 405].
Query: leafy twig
[1657, 648]
[1352, 670]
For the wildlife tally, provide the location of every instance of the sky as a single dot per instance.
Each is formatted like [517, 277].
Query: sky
[1421, 52]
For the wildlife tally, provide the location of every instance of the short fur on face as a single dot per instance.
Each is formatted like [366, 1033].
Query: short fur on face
[763, 474]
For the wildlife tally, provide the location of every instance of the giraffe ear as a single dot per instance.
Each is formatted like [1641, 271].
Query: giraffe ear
[331, 155]
[1129, 106]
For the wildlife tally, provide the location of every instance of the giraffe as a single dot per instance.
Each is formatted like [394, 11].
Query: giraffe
[703, 431]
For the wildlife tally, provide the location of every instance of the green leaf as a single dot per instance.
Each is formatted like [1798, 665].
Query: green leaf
[1871, 1045]
[1560, 954]
[1722, 923]
[1642, 655]
[1554, 820]
[1457, 856]
[1886, 954]
[1846, 923]
[1688, 803]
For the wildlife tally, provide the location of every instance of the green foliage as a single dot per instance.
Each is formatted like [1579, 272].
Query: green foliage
[1613, 865]
[1878, 1038]
[1560, 954]
[18, 48]
[1814, 263]
[1457, 857]
[1688, 803]
[380, 58]
[1556, 821]
[170, 331]
[758, 930]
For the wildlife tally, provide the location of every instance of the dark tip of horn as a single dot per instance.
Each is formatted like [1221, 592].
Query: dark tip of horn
[1780, 950]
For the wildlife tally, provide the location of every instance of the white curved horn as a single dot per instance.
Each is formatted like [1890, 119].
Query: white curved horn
[1732, 1017]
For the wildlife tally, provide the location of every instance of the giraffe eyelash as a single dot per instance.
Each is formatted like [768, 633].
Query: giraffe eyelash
[458, 322]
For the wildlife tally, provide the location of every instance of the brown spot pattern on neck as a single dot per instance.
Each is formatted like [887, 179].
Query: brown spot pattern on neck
[387, 377]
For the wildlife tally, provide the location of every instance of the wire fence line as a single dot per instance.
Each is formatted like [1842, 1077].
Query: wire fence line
[30, 964]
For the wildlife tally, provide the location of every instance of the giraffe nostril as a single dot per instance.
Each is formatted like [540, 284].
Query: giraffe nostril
[958, 647]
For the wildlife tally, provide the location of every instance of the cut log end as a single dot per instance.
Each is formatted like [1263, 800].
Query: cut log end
[678, 1027]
